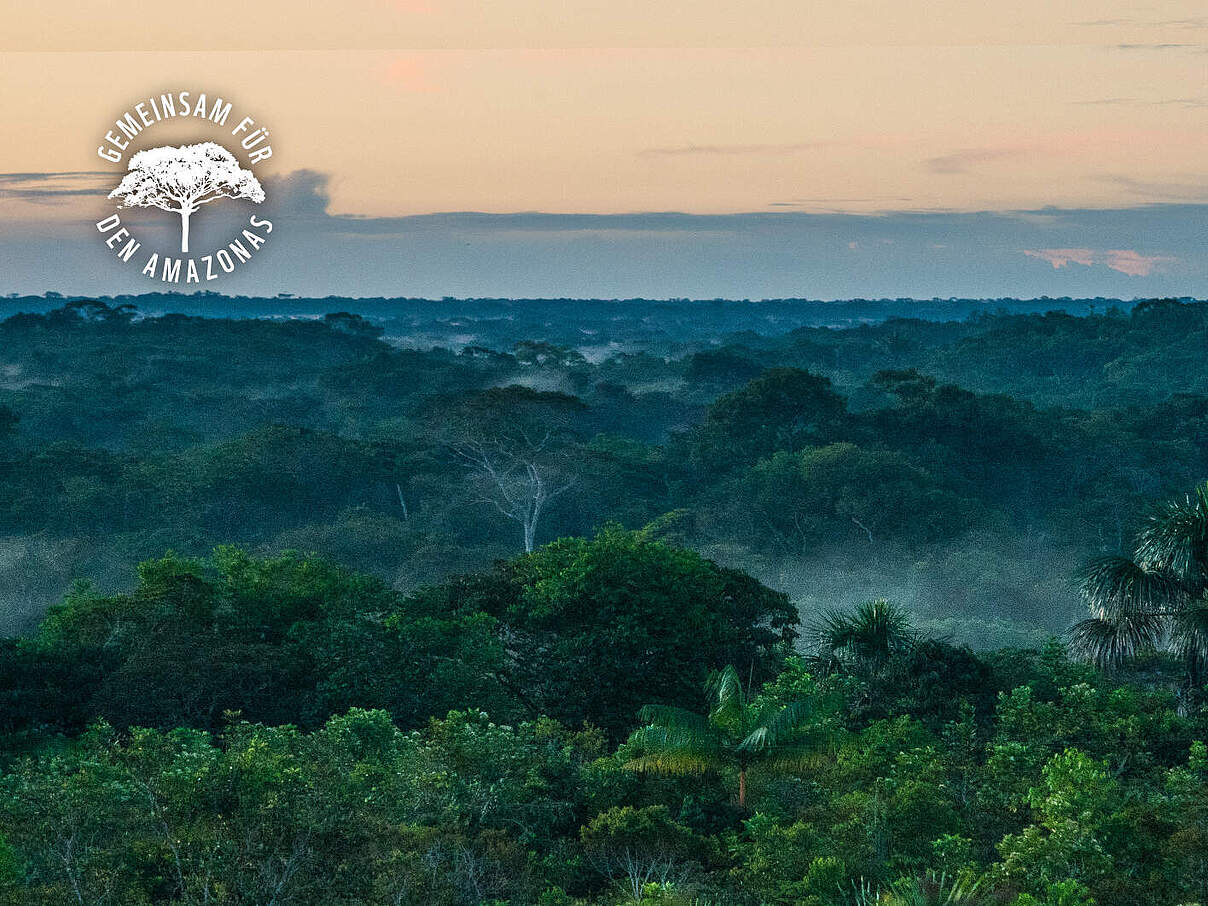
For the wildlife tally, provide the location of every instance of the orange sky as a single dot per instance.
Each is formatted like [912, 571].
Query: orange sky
[417, 106]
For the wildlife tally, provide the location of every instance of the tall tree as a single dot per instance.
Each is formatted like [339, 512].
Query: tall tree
[739, 733]
[520, 448]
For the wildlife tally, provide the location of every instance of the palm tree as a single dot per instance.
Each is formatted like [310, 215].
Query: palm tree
[1158, 598]
[737, 734]
[864, 642]
[933, 890]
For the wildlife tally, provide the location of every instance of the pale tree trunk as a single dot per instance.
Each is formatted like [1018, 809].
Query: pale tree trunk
[534, 506]
[184, 229]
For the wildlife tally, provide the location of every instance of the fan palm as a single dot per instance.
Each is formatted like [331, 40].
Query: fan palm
[737, 734]
[1158, 598]
[865, 641]
[932, 890]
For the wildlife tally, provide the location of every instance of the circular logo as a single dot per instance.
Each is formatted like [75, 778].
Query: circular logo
[215, 162]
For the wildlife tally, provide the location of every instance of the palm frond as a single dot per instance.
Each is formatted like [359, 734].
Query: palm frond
[934, 890]
[1114, 587]
[797, 757]
[1189, 631]
[726, 686]
[692, 740]
[869, 636]
[834, 631]
[1176, 538]
[824, 661]
[670, 764]
[674, 718]
[1108, 642]
[779, 727]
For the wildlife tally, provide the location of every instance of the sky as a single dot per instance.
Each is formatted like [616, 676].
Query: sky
[627, 148]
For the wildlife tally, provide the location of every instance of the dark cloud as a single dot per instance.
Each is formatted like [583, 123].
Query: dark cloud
[1149, 250]
[1160, 46]
[1193, 22]
[301, 193]
[823, 202]
[53, 188]
[1159, 191]
[963, 161]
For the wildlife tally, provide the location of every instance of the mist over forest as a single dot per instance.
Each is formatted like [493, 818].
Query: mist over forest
[960, 457]
[601, 603]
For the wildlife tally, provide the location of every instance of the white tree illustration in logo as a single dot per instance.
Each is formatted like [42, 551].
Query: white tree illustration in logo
[182, 179]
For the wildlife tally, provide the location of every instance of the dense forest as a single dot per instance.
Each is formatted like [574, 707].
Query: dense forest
[329, 609]
[956, 467]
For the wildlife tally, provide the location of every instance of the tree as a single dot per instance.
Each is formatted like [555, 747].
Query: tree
[1156, 598]
[182, 179]
[865, 641]
[519, 445]
[782, 409]
[738, 734]
[840, 492]
[639, 846]
[1074, 806]
[645, 621]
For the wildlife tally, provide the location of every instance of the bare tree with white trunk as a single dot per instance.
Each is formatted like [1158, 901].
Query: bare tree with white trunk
[182, 179]
[519, 447]
[519, 480]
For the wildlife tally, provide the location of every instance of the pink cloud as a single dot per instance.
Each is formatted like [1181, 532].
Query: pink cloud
[1133, 263]
[409, 74]
[1062, 257]
[1126, 261]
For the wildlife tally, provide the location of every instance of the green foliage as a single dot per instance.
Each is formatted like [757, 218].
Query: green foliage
[782, 409]
[737, 734]
[639, 847]
[644, 620]
[795, 501]
[287, 638]
[1073, 810]
[258, 725]
[993, 807]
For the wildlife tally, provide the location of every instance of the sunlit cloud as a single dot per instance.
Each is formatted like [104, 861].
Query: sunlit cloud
[1125, 261]
[1133, 263]
[415, 7]
[1059, 258]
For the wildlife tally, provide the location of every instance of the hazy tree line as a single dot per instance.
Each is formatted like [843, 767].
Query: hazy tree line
[792, 457]
[296, 652]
